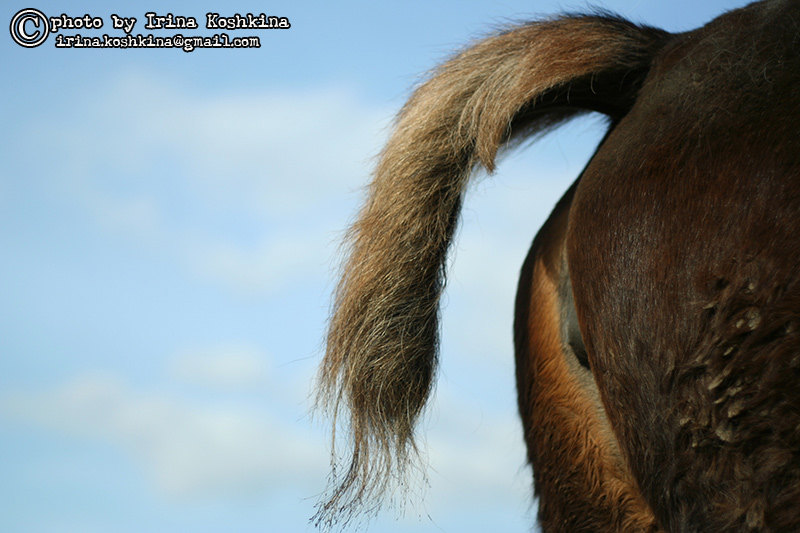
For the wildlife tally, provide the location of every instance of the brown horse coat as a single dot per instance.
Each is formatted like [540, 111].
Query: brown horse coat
[656, 330]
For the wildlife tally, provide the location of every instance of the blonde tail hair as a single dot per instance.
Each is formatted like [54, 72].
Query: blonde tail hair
[383, 335]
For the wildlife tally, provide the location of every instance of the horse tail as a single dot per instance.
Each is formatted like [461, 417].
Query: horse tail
[383, 335]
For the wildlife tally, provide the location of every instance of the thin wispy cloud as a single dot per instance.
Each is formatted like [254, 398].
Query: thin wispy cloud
[225, 367]
[277, 153]
[188, 448]
[240, 188]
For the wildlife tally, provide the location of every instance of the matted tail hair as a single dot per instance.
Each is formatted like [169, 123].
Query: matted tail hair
[382, 341]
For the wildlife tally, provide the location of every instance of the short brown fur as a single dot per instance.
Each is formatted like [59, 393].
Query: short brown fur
[581, 479]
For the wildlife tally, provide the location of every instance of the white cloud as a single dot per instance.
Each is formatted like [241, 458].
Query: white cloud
[267, 265]
[246, 189]
[274, 153]
[232, 366]
[191, 449]
[188, 449]
[137, 216]
[481, 458]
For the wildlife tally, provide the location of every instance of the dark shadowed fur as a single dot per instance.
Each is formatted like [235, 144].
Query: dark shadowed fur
[662, 395]
[684, 254]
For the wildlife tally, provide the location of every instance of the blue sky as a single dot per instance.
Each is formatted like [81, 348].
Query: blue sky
[169, 225]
